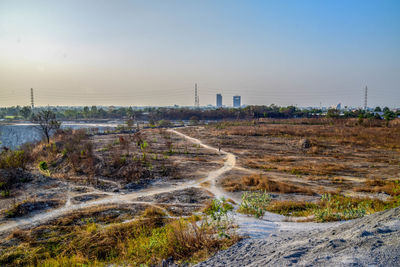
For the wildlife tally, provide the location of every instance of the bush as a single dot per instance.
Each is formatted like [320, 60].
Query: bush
[43, 166]
[254, 203]
[13, 159]
[217, 211]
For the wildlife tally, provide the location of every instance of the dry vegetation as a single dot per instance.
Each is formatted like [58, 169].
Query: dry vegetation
[262, 183]
[76, 167]
[298, 157]
[148, 240]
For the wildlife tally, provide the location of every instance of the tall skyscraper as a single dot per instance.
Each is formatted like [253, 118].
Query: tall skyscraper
[219, 100]
[236, 101]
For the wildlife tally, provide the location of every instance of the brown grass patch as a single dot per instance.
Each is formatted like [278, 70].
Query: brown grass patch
[302, 168]
[380, 186]
[260, 182]
[340, 131]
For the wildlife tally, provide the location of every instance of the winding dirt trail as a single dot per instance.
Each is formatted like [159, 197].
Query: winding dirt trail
[249, 226]
[129, 198]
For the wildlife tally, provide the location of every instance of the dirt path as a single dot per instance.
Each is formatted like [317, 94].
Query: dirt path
[248, 226]
[129, 198]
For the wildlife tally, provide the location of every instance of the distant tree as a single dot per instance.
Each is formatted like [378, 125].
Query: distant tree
[386, 109]
[93, 112]
[130, 112]
[86, 111]
[164, 123]
[47, 122]
[26, 112]
[377, 116]
[193, 120]
[389, 115]
[378, 109]
[333, 113]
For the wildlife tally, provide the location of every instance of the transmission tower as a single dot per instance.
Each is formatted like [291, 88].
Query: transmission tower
[196, 97]
[32, 102]
[366, 98]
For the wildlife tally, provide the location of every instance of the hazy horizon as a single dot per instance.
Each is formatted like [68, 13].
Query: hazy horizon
[150, 53]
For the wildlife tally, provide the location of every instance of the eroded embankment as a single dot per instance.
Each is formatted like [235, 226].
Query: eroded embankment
[373, 240]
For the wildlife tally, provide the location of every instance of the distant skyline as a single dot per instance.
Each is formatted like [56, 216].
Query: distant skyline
[141, 53]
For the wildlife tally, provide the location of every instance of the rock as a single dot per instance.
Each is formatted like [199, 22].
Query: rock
[305, 143]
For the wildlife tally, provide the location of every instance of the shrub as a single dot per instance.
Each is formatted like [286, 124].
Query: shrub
[13, 159]
[254, 203]
[43, 166]
[217, 211]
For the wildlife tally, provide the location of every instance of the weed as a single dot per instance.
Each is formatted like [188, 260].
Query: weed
[254, 203]
[43, 166]
[218, 210]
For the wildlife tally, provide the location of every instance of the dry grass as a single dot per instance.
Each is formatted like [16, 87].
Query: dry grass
[380, 186]
[147, 241]
[297, 167]
[341, 131]
[332, 207]
[260, 182]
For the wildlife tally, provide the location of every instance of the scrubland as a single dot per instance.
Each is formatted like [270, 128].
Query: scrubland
[130, 199]
[92, 185]
[314, 169]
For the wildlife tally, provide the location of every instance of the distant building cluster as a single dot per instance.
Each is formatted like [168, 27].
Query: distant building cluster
[236, 101]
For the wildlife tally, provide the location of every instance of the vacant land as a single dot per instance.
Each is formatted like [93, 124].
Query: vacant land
[146, 197]
[298, 161]
[118, 198]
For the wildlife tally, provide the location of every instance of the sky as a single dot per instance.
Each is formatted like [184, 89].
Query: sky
[139, 53]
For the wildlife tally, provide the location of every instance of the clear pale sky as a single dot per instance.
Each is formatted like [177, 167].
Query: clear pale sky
[152, 52]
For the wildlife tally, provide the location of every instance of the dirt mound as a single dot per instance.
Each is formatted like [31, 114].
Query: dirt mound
[372, 240]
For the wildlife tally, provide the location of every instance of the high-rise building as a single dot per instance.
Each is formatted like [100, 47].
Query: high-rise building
[236, 101]
[219, 100]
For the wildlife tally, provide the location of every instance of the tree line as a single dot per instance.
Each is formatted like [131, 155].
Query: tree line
[184, 113]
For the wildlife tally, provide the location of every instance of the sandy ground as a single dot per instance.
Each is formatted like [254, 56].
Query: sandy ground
[370, 241]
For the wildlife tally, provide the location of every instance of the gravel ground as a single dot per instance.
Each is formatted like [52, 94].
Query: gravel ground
[370, 241]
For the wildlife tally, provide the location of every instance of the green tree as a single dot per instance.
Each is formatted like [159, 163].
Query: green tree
[333, 113]
[389, 115]
[26, 112]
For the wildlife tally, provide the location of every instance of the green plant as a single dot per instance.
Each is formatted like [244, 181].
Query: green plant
[254, 203]
[217, 211]
[5, 193]
[144, 145]
[43, 166]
